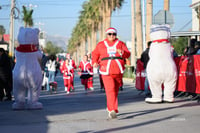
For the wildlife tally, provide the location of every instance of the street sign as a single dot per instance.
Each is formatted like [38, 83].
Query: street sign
[163, 17]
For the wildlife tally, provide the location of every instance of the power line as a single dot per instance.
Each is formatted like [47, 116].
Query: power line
[67, 17]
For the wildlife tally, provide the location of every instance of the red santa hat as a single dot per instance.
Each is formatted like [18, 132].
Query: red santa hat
[111, 30]
[68, 56]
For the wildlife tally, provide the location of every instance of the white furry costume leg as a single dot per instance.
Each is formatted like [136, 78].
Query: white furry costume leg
[161, 68]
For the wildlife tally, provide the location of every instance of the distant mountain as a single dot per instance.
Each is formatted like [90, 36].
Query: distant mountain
[59, 41]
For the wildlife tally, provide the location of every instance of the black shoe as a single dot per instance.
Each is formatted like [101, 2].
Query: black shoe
[148, 95]
[43, 88]
[8, 99]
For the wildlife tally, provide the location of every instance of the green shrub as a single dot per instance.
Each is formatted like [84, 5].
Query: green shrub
[129, 72]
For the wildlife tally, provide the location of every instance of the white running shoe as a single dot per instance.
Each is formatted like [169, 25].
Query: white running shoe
[68, 92]
[112, 114]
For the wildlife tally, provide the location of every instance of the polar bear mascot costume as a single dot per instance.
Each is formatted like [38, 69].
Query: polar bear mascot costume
[161, 68]
[27, 74]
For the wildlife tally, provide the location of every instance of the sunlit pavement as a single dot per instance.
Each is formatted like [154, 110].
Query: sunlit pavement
[85, 112]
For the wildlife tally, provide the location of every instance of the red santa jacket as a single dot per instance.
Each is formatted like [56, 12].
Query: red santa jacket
[61, 65]
[67, 71]
[72, 63]
[111, 62]
[86, 68]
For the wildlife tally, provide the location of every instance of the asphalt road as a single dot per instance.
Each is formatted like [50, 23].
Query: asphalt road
[81, 112]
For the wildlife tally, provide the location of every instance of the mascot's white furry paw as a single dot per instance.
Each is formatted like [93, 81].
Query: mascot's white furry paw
[168, 100]
[153, 100]
[18, 106]
[36, 105]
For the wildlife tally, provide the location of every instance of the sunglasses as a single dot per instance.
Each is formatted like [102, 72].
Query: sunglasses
[114, 34]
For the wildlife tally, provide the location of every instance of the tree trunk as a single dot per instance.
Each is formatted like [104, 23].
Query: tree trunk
[139, 28]
[78, 54]
[94, 39]
[103, 23]
[89, 43]
[108, 16]
[74, 57]
[83, 47]
[133, 53]
[149, 14]
[101, 33]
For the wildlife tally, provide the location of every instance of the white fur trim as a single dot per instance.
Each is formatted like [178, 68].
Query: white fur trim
[111, 30]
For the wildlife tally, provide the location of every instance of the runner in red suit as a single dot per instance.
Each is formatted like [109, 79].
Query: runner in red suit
[72, 64]
[67, 71]
[111, 52]
[86, 73]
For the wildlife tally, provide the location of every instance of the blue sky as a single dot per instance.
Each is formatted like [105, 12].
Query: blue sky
[60, 16]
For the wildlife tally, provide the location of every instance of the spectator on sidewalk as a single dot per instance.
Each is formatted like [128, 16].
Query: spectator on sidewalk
[5, 76]
[145, 59]
[51, 67]
[191, 50]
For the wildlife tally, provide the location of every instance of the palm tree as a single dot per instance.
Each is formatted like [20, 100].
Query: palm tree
[107, 6]
[27, 17]
[2, 30]
[139, 28]
[95, 16]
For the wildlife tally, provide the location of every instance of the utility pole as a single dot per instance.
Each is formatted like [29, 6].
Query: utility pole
[133, 49]
[143, 25]
[139, 38]
[11, 39]
[149, 14]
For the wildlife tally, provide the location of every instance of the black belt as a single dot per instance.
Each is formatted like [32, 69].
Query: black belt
[112, 58]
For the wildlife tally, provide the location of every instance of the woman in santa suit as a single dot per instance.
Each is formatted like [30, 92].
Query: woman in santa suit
[72, 64]
[86, 73]
[67, 71]
[111, 53]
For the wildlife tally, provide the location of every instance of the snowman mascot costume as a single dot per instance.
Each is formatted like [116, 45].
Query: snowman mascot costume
[161, 68]
[27, 74]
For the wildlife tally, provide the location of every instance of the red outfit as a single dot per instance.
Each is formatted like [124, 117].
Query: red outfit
[72, 64]
[61, 65]
[67, 75]
[86, 74]
[111, 68]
